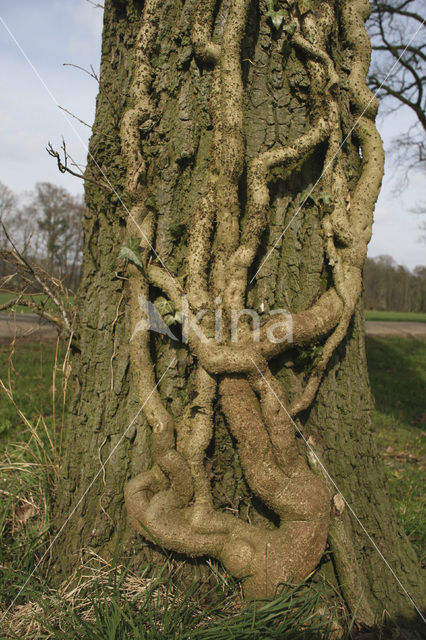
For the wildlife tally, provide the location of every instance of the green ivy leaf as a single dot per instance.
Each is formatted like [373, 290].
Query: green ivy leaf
[179, 317]
[277, 19]
[169, 320]
[305, 5]
[164, 307]
[131, 251]
[290, 28]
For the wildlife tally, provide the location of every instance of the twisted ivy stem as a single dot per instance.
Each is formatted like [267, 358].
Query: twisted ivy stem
[171, 503]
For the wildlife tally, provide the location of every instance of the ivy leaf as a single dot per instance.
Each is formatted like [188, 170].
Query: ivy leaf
[178, 317]
[131, 251]
[164, 306]
[276, 17]
[169, 320]
[305, 5]
[290, 28]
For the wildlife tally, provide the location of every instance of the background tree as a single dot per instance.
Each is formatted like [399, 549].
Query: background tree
[7, 209]
[231, 186]
[392, 287]
[56, 216]
[46, 230]
[398, 72]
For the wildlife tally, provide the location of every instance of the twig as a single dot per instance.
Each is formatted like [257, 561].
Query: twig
[10, 303]
[92, 73]
[74, 116]
[64, 168]
[44, 279]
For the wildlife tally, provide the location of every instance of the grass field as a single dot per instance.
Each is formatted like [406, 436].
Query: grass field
[383, 316]
[395, 316]
[29, 456]
[39, 298]
[397, 369]
[5, 297]
[28, 372]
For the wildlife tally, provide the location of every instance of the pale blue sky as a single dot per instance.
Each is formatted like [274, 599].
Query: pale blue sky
[53, 32]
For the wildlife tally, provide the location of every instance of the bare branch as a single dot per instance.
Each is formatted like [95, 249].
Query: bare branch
[63, 166]
[74, 116]
[51, 286]
[397, 32]
[92, 73]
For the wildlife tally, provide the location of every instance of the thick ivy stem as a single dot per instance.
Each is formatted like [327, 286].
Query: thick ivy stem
[172, 502]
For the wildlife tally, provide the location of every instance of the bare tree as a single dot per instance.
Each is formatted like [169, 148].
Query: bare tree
[397, 76]
[392, 287]
[7, 211]
[57, 233]
[41, 251]
[7, 207]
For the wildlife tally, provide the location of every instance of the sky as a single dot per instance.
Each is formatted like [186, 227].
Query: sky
[50, 33]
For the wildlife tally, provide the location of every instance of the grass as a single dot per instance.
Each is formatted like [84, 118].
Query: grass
[40, 299]
[103, 601]
[31, 415]
[383, 316]
[26, 371]
[111, 602]
[395, 316]
[397, 369]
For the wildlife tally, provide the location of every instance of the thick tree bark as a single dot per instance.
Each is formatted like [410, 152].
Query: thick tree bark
[161, 104]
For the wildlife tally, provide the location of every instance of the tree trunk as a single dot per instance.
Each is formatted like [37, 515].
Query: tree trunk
[193, 96]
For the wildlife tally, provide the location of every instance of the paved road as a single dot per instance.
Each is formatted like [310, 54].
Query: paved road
[29, 326]
[26, 326]
[400, 329]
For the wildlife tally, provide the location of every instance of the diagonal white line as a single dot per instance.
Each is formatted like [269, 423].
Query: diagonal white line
[92, 482]
[84, 145]
[330, 162]
[326, 473]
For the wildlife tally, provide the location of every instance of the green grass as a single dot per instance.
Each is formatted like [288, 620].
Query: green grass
[383, 316]
[27, 372]
[110, 607]
[115, 604]
[397, 369]
[40, 299]
[31, 418]
[395, 316]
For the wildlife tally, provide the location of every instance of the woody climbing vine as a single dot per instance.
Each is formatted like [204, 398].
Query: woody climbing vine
[171, 502]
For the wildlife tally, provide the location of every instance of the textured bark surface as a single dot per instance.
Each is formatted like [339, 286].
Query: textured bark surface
[167, 113]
